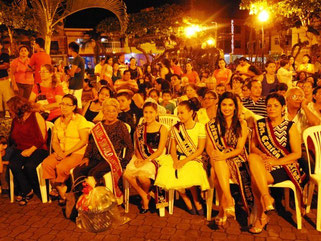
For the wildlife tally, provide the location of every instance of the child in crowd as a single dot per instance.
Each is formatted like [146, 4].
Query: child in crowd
[3, 147]
[129, 114]
[169, 106]
[220, 89]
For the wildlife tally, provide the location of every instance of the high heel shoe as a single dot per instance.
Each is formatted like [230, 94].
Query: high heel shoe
[220, 221]
[263, 222]
[269, 206]
[25, 200]
[230, 211]
[143, 211]
[192, 211]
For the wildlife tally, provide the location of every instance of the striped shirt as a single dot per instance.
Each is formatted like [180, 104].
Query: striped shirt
[258, 107]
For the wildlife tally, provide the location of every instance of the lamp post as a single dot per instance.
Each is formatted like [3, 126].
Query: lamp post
[263, 17]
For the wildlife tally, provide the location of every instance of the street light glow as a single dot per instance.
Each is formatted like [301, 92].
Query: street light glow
[263, 16]
[192, 30]
[210, 42]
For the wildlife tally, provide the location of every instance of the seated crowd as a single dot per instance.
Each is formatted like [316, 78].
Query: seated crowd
[220, 118]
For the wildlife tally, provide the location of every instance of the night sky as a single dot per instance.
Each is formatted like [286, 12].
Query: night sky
[91, 17]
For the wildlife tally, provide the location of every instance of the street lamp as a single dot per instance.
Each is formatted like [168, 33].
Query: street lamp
[263, 17]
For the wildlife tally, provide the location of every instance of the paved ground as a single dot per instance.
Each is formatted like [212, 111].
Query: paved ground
[38, 221]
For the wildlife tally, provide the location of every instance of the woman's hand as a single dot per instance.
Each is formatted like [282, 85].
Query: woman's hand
[139, 162]
[84, 162]
[218, 156]
[178, 164]
[28, 152]
[60, 155]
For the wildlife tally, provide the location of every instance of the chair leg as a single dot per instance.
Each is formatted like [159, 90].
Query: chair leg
[209, 203]
[42, 184]
[310, 196]
[49, 190]
[162, 212]
[297, 208]
[126, 196]
[11, 186]
[318, 224]
[287, 199]
[171, 201]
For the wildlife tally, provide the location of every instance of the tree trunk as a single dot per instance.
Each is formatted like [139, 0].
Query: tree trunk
[12, 44]
[47, 43]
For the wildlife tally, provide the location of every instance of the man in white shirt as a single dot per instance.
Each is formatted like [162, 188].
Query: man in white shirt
[284, 74]
[99, 67]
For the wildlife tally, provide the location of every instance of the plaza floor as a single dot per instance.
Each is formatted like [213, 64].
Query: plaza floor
[38, 221]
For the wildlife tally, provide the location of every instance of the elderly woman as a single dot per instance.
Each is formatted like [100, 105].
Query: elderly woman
[28, 134]
[48, 93]
[275, 150]
[70, 136]
[94, 162]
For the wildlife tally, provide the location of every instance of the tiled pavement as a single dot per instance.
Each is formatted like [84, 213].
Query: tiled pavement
[38, 221]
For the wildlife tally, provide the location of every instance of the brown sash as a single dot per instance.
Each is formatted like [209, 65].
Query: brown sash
[107, 151]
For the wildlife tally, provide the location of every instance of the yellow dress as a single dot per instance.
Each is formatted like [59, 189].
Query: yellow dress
[191, 174]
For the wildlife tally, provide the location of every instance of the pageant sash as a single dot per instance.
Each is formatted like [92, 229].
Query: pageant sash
[107, 151]
[270, 146]
[184, 141]
[237, 165]
[146, 151]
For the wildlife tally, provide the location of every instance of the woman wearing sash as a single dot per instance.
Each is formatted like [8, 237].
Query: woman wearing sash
[185, 170]
[275, 150]
[150, 139]
[227, 135]
[111, 134]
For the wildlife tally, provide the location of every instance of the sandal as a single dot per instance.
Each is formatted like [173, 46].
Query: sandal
[220, 221]
[269, 205]
[259, 225]
[54, 195]
[19, 198]
[61, 201]
[230, 211]
[24, 200]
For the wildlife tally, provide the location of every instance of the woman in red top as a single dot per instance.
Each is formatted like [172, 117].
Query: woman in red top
[47, 94]
[222, 74]
[21, 75]
[29, 136]
[192, 75]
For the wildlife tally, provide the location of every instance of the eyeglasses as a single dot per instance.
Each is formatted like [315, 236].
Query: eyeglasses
[297, 97]
[64, 104]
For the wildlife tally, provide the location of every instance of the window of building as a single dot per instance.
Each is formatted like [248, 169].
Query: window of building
[237, 29]
[237, 44]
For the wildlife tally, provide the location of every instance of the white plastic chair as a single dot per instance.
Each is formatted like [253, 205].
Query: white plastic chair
[314, 133]
[42, 182]
[169, 120]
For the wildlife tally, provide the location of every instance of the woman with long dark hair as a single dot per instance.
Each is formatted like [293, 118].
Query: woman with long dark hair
[93, 108]
[227, 135]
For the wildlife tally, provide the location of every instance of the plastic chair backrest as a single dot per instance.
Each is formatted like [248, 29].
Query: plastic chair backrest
[314, 132]
[168, 120]
[49, 125]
